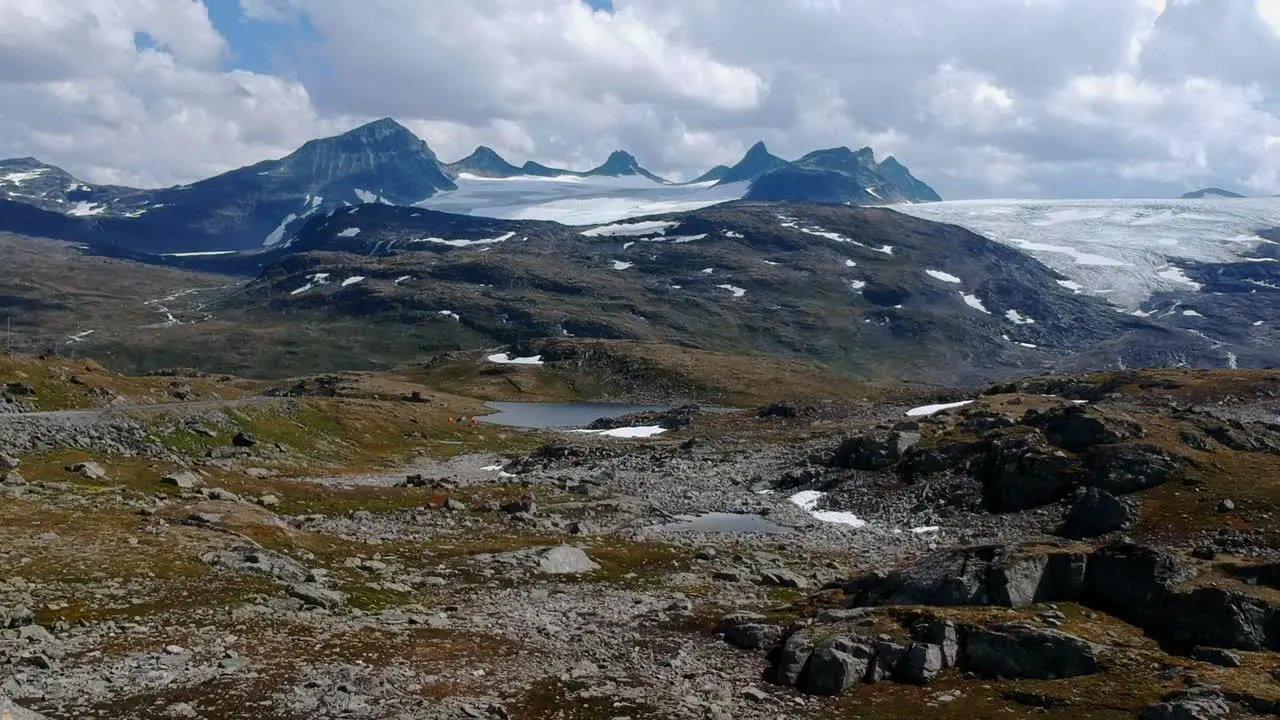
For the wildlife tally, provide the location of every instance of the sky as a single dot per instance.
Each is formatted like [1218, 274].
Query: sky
[980, 98]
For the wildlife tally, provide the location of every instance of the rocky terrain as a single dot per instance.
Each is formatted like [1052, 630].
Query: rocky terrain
[352, 545]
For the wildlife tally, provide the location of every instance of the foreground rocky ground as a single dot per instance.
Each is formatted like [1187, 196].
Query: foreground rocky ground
[1087, 547]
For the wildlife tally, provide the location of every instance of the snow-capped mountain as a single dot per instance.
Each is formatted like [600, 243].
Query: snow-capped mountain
[383, 162]
[253, 206]
[841, 175]
[29, 181]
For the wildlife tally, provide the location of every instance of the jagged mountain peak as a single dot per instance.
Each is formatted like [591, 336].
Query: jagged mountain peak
[756, 162]
[484, 161]
[622, 163]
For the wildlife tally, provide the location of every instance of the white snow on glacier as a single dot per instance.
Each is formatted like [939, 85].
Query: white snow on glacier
[1124, 250]
[574, 200]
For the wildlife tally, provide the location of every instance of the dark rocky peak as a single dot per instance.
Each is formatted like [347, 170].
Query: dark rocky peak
[540, 170]
[839, 158]
[913, 188]
[380, 136]
[715, 173]
[484, 162]
[755, 163]
[1210, 192]
[621, 163]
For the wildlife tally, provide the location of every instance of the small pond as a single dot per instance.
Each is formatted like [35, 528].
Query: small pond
[560, 415]
[717, 522]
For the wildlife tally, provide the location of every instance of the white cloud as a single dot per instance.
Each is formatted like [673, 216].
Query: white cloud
[979, 97]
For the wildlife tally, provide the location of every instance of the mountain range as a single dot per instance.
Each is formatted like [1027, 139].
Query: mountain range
[381, 162]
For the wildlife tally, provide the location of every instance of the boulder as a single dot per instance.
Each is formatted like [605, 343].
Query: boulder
[941, 633]
[922, 663]
[748, 631]
[9, 462]
[752, 636]
[566, 560]
[783, 578]
[185, 480]
[874, 451]
[792, 658]
[983, 575]
[1020, 651]
[91, 470]
[259, 561]
[1192, 704]
[1021, 472]
[244, 440]
[1077, 428]
[317, 596]
[1093, 512]
[1124, 469]
[9, 710]
[947, 457]
[835, 666]
[1216, 656]
[888, 659]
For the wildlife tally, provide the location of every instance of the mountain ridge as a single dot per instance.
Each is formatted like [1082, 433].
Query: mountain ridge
[263, 204]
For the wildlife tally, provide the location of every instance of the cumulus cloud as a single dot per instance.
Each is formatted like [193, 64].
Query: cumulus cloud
[979, 97]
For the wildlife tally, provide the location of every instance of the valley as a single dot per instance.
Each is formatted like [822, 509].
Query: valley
[780, 542]
[357, 433]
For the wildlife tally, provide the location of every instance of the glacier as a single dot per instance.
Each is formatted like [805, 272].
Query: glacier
[1121, 250]
[576, 200]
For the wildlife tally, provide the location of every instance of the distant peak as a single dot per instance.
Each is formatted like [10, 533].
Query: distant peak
[758, 149]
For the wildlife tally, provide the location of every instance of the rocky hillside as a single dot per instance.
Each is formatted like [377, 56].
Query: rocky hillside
[870, 291]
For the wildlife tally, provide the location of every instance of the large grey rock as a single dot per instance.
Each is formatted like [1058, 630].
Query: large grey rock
[783, 578]
[317, 596]
[184, 480]
[246, 558]
[1216, 656]
[792, 658]
[91, 470]
[1194, 704]
[748, 631]
[1022, 471]
[9, 462]
[9, 710]
[983, 575]
[752, 636]
[1017, 651]
[1143, 586]
[874, 451]
[888, 660]
[942, 633]
[835, 666]
[566, 560]
[1095, 512]
[1077, 428]
[922, 663]
[1124, 469]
